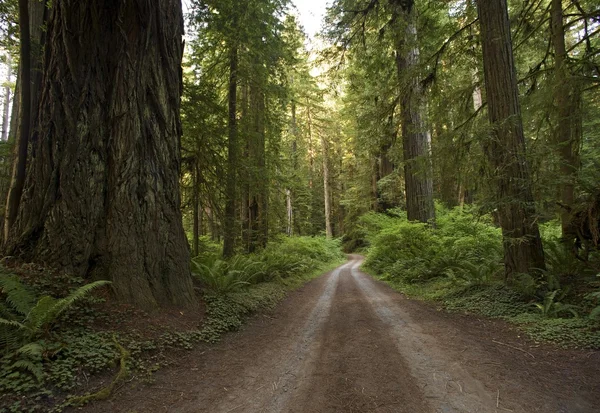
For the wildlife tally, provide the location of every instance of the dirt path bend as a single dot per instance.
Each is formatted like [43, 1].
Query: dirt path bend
[347, 343]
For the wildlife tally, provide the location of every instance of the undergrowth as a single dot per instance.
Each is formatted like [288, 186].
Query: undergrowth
[459, 265]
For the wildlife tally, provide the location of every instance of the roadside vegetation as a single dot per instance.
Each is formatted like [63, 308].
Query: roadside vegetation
[66, 351]
[459, 265]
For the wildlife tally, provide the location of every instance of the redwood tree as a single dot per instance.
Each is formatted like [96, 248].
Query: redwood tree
[416, 138]
[101, 197]
[505, 148]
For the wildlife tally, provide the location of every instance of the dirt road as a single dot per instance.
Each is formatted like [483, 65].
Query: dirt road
[347, 343]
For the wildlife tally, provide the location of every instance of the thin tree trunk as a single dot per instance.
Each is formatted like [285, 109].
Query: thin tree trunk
[102, 197]
[416, 139]
[289, 213]
[311, 153]
[505, 150]
[15, 112]
[20, 163]
[7, 101]
[229, 230]
[196, 209]
[326, 188]
[567, 98]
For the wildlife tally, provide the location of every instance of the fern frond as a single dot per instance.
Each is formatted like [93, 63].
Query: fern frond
[18, 296]
[11, 334]
[39, 315]
[65, 303]
[34, 368]
[31, 349]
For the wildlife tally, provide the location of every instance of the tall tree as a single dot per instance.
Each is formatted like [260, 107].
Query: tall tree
[7, 101]
[416, 138]
[20, 163]
[505, 148]
[229, 230]
[102, 194]
[567, 100]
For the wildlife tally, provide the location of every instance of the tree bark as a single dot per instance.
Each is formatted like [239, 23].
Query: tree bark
[17, 184]
[567, 99]
[102, 197]
[326, 188]
[6, 105]
[196, 209]
[505, 149]
[416, 139]
[232, 158]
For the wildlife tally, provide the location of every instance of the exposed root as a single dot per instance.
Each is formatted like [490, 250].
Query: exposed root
[105, 392]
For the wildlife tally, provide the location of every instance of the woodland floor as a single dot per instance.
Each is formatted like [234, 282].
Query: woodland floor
[347, 343]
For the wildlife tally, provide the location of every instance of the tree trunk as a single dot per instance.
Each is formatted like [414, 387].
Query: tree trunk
[6, 106]
[196, 208]
[102, 194]
[326, 188]
[416, 139]
[567, 99]
[14, 113]
[17, 184]
[257, 187]
[229, 229]
[505, 149]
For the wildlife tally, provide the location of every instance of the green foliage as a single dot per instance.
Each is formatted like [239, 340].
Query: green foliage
[222, 276]
[459, 264]
[567, 332]
[26, 318]
[284, 258]
[464, 248]
[551, 307]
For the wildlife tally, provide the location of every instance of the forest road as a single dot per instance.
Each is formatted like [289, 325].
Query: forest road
[347, 343]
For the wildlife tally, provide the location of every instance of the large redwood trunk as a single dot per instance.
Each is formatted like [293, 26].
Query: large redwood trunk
[102, 195]
[505, 149]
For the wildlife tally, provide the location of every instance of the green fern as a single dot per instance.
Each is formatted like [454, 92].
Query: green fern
[18, 296]
[220, 276]
[31, 318]
[551, 307]
[32, 366]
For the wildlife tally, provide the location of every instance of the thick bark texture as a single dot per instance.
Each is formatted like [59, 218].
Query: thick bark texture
[229, 228]
[568, 129]
[102, 192]
[506, 146]
[416, 138]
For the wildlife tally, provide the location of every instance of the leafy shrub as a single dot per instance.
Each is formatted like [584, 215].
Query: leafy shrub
[463, 247]
[286, 257]
[405, 244]
[225, 276]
